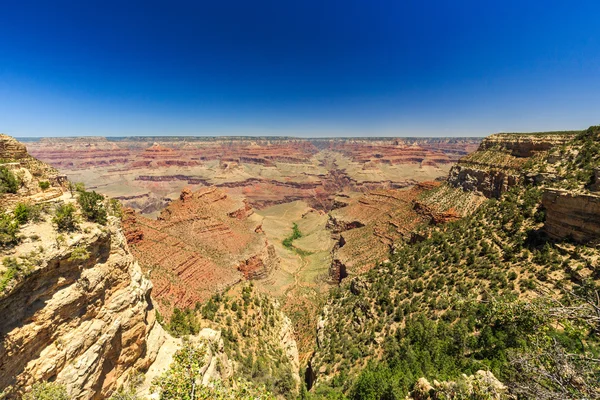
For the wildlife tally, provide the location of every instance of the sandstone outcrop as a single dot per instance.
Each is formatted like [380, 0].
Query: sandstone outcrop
[572, 215]
[216, 366]
[483, 384]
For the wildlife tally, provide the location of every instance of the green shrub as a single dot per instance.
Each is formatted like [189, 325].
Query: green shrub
[183, 323]
[44, 185]
[79, 253]
[296, 234]
[65, 218]
[92, 206]
[47, 391]
[9, 227]
[8, 181]
[12, 269]
[21, 213]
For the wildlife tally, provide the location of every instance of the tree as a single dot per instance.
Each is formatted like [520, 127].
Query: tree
[92, 206]
[180, 381]
[8, 181]
[65, 218]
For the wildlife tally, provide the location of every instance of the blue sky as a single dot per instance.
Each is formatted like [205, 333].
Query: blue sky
[303, 68]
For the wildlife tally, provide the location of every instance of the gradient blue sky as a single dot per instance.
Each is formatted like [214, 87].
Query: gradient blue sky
[305, 68]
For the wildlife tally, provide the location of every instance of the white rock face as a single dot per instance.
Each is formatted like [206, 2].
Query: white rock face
[216, 366]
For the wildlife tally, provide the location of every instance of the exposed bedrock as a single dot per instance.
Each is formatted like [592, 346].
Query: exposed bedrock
[572, 215]
[84, 323]
[524, 145]
[487, 181]
[498, 163]
[199, 245]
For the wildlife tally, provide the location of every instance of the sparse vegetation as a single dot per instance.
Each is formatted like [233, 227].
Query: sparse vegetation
[92, 206]
[24, 213]
[9, 183]
[296, 234]
[47, 391]
[65, 218]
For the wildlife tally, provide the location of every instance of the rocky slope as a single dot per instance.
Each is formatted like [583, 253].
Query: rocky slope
[200, 244]
[76, 308]
[480, 293]
[368, 227]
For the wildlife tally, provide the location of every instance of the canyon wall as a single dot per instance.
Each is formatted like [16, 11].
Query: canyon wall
[147, 173]
[200, 244]
[499, 162]
[572, 215]
[75, 306]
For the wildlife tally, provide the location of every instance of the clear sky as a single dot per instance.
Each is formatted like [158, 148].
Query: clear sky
[298, 67]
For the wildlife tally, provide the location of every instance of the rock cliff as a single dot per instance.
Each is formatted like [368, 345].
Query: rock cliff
[572, 215]
[500, 161]
[75, 306]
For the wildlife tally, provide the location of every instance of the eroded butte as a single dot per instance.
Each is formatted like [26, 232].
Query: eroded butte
[145, 173]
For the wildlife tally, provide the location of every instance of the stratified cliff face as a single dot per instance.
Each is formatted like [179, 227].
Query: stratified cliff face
[200, 244]
[83, 323]
[498, 163]
[75, 307]
[572, 215]
[525, 145]
[146, 173]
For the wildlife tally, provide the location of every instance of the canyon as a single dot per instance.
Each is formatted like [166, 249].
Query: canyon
[273, 226]
[204, 214]
[146, 173]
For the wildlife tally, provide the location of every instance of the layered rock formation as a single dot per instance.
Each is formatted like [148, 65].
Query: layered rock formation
[76, 308]
[369, 225]
[572, 215]
[145, 173]
[200, 244]
[215, 365]
[498, 163]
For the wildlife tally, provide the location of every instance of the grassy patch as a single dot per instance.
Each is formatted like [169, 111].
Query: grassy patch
[296, 234]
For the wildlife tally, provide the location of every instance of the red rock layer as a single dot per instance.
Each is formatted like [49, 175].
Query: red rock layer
[200, 244]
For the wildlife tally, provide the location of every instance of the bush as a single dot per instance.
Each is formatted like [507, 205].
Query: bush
[9, 227]
[92, 206]
[12, 269]
[183, 323]
[8, 181]
[44, 185]
[47, 391]
[65, 218]
[22, 213]
[79, 254]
